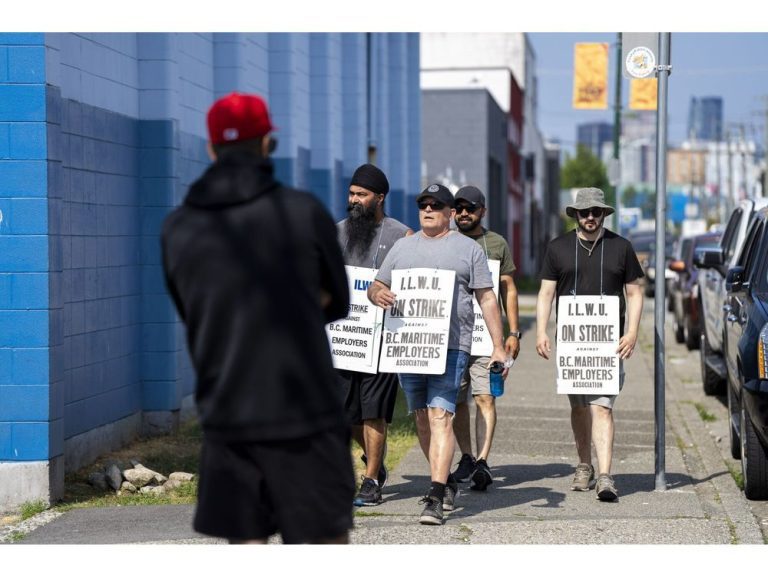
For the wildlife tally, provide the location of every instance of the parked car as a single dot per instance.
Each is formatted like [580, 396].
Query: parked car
[684, 290]
[715, 263]
[650, 275]
[644, 244]
[746, 353]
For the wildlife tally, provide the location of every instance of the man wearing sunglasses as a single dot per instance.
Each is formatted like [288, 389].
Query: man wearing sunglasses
[470, 209]
[366, 237]
[592, 260]
[432, 398]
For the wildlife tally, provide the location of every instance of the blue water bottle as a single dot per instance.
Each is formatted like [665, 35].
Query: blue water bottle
[497, 380]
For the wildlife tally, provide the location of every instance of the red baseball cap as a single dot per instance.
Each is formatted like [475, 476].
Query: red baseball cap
[238, 116]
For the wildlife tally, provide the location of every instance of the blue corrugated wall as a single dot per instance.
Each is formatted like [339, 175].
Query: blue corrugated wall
[100, 137]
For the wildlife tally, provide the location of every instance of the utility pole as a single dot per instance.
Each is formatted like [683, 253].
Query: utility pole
[617, 130]
[663, 70]
[730, 169]
[743, 150]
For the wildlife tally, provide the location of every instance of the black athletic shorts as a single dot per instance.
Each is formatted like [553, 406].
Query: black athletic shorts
[368, 396]
[252, 490]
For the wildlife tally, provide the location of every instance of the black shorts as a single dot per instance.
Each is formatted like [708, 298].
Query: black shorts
[368, 396]
[251, 490]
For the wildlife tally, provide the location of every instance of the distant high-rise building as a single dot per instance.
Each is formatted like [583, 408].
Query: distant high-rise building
[705, 119]
[593, 135]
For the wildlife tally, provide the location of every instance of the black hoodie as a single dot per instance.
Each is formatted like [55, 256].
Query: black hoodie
[246, 260]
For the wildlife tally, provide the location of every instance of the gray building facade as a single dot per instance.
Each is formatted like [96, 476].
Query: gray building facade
[464, 141]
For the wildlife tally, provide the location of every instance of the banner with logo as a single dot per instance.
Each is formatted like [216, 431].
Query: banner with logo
[643, 93]
[356, 340]
[587, 340]
[482, 345]
[416, 327]
[590, 76]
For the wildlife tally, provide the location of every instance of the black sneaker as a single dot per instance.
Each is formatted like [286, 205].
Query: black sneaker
[383, 474]
[465, 468]
[369, 494]
[433, 511]
[451, 493]
[481, 477]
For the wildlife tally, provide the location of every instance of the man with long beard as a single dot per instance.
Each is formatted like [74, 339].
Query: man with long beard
[366, 236]
[587, 261]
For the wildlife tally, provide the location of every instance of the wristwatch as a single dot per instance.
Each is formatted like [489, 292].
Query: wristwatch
[517, 335]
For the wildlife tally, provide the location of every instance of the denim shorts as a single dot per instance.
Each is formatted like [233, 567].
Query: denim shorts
[436, 390]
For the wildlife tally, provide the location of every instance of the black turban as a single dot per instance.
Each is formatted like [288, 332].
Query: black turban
[370, 178]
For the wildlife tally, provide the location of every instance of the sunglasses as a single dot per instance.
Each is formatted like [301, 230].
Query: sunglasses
[468, 207]
[596, 212]
[435, 205]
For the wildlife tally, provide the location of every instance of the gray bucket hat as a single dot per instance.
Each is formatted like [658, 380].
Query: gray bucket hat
[588, 198]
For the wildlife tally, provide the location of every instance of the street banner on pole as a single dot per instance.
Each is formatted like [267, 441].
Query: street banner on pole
[590, 76]
[416, 327]
[587, 340]
[643, 93]
[482, 344]
[355, 340]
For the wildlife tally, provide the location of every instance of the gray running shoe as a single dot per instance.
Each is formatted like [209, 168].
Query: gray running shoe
[606, 489]
[465, 468]
[433, 511]
[481, 477]
[369, 494]
[582, 480]
[451, 493]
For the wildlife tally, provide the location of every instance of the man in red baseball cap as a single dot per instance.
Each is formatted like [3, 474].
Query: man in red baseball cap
[256, 272]
[241, 119]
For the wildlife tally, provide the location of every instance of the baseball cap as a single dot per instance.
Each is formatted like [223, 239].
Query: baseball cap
[237, 117]
[471, 194]
[438, 192]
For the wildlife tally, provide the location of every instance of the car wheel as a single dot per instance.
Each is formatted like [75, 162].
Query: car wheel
[713, 384]
[734, 413]
[754, 461]
[692, 337]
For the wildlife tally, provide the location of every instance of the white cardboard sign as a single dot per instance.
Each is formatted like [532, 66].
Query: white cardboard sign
[587, 340]
[416, 327]
[482, 344]
[356, 340]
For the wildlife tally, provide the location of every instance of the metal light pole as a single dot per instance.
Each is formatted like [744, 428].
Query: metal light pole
[663, 71]
[617, 131]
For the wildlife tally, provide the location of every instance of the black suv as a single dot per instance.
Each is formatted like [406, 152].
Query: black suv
[715, 263]
[746, 354]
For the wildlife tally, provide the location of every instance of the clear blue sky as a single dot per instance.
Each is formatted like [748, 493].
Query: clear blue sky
[733, 66]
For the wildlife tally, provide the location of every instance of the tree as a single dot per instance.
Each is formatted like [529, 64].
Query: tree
[586, 171]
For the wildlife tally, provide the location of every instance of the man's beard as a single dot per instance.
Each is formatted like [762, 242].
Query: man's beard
[466, 226]
[595, 231]
[361, 228]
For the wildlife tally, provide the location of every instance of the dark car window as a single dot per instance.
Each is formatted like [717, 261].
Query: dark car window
[643, 243]
[749, 253]
[730, 235]
[686, 249]
[755, 253]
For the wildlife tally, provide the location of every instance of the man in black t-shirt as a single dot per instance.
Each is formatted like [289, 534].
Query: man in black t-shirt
[591, 260]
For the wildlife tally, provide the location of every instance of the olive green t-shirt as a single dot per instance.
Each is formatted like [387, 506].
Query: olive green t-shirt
[496, 248]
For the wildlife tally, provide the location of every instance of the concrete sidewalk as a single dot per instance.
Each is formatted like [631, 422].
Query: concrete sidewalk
[532, 462]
